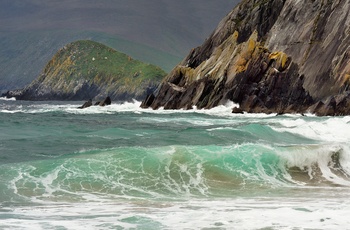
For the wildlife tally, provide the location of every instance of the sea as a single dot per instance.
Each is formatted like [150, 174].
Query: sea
[123, 167]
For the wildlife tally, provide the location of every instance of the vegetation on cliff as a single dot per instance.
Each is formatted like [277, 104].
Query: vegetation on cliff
[271, 56]
[86, 69]
[23, 55]
[160, 33]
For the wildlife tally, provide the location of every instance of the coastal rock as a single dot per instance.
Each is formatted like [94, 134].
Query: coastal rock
[86, 104]
[274, 56]
[106, 101]
[334, 106]
[237, 110]
[148, 101]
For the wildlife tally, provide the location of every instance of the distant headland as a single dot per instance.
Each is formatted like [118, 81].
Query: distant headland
[87, 69]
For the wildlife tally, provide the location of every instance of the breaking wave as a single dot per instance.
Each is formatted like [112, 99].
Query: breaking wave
[178, 172]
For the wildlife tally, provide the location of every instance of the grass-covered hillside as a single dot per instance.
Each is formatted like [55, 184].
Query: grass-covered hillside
[160, 32]
[86, 69]
[24, 54]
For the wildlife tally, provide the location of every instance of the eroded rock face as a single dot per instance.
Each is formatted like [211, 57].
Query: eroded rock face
[271, 56]
[316, 34]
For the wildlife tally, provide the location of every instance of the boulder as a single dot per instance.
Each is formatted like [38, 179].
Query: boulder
[148, 101]
[106, 101]
[334, 106]
[86, 104]
[237, 110]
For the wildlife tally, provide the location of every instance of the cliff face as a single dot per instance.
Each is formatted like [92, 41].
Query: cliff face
[316, 34]
[89, 70]
[268, 56]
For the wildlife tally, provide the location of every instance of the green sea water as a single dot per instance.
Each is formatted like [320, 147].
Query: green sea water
[122, 167]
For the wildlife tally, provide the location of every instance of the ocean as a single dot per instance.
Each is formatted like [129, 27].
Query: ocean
[122, 167]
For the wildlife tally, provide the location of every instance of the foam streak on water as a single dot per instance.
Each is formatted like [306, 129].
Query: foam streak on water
[277, 213]
[122, 167]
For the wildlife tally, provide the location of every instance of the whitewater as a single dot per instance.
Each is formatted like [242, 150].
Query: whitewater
[123, 167]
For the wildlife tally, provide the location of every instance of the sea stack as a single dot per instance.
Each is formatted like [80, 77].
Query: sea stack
[273, 56]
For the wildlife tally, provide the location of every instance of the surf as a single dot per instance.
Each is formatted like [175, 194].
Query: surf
[122, 166]
[177, 172]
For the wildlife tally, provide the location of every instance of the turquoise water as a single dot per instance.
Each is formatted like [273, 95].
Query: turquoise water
[121, 167]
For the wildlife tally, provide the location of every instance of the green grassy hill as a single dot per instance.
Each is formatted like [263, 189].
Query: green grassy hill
[160, 32]
[86, 69]
[23, 55]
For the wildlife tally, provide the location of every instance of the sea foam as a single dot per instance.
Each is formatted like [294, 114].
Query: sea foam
[8, 99]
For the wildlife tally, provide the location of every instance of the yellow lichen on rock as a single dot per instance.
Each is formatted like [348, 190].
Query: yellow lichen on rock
[241, 64]
[346, 79]
[281, 59]
[346, 73]
[186, 72]
[248, 50]
[189, 73]
[235, 35]
[251, 46]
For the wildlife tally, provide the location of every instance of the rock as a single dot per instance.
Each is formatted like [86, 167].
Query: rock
[333, 106]
[237, 110]
[252, 59]
[343, 104]
[86, 104]
[148, 101]
[316, 107]
[13, 93]
[106, 101]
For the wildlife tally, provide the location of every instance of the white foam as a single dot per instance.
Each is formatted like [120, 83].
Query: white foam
[345, 159]
[224, 111]
[257, 214]
[235, 213]
[307, 157]
[7, 99]
[335, 129]
[10, 111]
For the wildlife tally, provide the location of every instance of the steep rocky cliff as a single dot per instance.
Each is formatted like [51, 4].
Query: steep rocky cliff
[89, 70]
[269, 56]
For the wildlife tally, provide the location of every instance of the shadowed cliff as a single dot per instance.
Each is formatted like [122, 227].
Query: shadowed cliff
[271, 56]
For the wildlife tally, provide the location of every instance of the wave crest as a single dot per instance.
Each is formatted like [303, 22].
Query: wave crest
[176, 172]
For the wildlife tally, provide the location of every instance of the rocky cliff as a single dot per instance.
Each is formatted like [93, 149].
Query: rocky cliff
[271, 56]
[89, 70]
